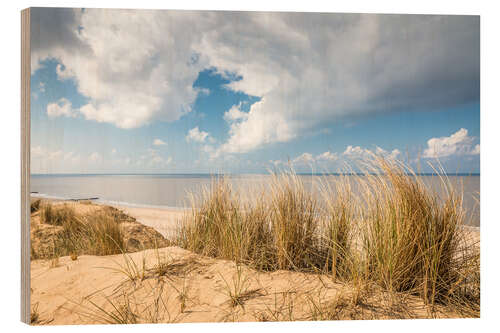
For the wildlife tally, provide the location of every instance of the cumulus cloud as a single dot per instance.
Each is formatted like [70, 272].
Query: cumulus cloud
[305, 158]
[134, 66]
[309, 159]
[44, 160]
[62, 107]
[394, 154]
[357, 152]
[235, 114]
[195, 135]
[258, 128]
[308, 69]
[459, 143]
[159, 142]
[310, 75]
[327, 156]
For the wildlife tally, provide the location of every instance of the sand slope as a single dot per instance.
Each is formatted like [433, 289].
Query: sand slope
[193, 288]
[137, 236]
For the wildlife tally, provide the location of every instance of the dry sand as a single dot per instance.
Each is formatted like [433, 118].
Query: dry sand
[194, 288]
[164, 220]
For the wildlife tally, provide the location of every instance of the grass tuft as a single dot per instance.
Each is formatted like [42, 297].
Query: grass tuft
[98, 233]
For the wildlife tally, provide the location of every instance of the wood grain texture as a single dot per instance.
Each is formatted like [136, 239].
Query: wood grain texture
[25, 164]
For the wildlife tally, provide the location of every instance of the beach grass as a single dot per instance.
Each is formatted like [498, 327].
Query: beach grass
[394, 231]
[98, 233]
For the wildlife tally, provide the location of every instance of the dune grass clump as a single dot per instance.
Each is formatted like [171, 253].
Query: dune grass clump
[277, 229]
[98, 233]
[103, 234]
[215, 224]
[410, 234]
[221, 226]
[57, 215]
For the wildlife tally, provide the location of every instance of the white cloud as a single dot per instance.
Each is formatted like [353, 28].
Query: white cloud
[459, 143]
[260, 127]
[475, 151]
[159, 142]
[305, 158]
[196, 135]
[235, 114]
[62, 107]
[394, 154]
[356, 152]
[307, 75]
[327, 156]
[45, 160]
[134, 66]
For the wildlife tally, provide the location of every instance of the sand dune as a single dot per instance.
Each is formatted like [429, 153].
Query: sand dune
[193, 288]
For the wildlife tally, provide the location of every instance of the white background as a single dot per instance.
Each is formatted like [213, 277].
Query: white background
[490, 162]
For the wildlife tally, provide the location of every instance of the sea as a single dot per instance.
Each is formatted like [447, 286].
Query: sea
[174, 191]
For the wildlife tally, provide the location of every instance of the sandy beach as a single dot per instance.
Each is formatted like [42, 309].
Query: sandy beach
[163, 220]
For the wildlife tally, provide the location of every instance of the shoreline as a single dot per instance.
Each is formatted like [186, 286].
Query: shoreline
[99, 201]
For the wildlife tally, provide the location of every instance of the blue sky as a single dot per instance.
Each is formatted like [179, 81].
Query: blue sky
[248, 92]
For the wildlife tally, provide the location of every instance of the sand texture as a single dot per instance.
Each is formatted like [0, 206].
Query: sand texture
[193, 288]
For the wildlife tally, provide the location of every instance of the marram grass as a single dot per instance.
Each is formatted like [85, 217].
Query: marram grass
[393, 231]
[98, 233]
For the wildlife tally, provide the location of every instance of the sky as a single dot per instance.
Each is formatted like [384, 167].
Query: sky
[155, 91]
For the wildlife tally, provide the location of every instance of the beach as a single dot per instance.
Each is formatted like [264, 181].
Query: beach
[163, 220]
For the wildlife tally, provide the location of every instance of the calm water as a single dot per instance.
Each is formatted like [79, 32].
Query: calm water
[172, 190]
